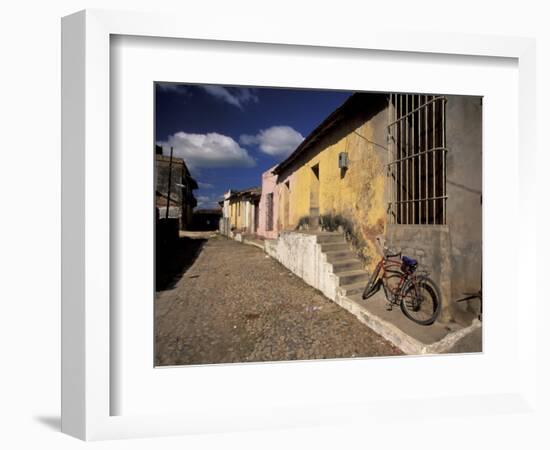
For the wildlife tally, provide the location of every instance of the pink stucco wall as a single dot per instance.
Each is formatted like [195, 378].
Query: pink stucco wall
[269, 183]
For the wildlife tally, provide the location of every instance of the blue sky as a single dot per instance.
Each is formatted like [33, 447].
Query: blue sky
[229, 136]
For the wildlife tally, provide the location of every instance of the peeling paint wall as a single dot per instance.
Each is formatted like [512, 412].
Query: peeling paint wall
[315, 193]
[351, 199]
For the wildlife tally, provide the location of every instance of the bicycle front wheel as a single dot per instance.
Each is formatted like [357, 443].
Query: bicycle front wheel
[373, 285]
[421, 301]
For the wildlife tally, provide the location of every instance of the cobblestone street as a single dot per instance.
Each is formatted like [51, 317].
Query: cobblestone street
[235, 304]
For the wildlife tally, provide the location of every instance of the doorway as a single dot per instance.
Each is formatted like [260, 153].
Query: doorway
[314, 198]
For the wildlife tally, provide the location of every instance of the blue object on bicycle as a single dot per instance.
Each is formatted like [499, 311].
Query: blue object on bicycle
[408, 265]
[409, 261]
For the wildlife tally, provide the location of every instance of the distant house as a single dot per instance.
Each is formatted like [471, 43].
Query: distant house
[268, 206]
[174, 189]
[241, 211]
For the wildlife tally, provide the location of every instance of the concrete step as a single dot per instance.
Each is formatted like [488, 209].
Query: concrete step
[346, 265]
[358, 296]
[334, 246]
[330, 238]
[339, 255]
[354, 288]
[352, 276]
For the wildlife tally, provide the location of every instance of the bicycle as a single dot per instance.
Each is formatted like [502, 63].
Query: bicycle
[413, 290]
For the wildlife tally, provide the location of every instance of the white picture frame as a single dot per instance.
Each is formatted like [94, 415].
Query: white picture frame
[87, 384]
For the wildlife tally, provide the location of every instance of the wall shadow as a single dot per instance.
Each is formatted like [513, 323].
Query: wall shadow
[51, 422]
[173, 259]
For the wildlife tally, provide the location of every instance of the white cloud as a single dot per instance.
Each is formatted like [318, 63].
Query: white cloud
[173, 87]
[205, 185]
[275, 141]
[234, 96]
[248, 139]
[208, 201]
[207, 150]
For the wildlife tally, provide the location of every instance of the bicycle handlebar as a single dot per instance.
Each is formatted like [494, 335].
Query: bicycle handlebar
[392, 255]
[387, 252]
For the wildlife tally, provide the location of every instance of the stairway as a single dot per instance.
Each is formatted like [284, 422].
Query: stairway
[325, 261]
[352, 279]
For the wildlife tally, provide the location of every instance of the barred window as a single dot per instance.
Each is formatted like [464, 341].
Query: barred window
[417, 159]
[269, 212]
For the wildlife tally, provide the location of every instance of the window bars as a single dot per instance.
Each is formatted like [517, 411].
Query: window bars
[417, 159]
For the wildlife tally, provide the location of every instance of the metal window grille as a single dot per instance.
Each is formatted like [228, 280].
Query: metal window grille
[417, 159]
[269, 199]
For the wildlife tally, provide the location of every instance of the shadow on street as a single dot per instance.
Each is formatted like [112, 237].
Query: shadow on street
[173, 260]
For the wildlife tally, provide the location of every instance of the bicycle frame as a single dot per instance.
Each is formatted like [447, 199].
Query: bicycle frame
[387, 266]
[410, 290]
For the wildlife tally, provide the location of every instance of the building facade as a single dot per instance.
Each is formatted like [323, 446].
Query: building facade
[268, 206]
[174, 187]
[403, 168]
[241, 211]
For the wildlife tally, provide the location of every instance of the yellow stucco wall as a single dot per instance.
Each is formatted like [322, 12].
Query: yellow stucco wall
[237, 211]
[357, 196]
[235, 216]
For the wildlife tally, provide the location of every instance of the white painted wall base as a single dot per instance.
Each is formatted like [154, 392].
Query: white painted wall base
[301, 254]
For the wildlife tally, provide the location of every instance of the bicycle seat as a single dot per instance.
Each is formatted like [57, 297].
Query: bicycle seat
[409, 261]
[408, 265]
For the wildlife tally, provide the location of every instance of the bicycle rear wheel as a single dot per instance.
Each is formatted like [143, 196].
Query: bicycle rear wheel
[421, 301]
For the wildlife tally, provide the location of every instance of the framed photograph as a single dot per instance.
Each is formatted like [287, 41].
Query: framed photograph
[356, 195]
[260, 230]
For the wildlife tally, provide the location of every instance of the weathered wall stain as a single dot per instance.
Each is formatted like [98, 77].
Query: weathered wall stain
[352, 200]
[315, 193]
